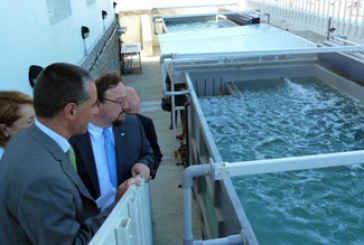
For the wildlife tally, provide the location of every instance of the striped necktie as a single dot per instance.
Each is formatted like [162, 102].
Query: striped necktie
[110, 156]
[71, 155]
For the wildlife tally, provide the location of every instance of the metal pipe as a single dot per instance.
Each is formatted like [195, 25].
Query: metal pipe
[223, 170]
[232, 239]
[162, 63]
[162, 59]
[187, 181]
[193, 57]
[345, 41]
[155, 24]
[329, 28]
[202, 14]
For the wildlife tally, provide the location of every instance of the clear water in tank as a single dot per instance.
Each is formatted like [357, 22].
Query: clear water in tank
[281, 118]
[198, 25]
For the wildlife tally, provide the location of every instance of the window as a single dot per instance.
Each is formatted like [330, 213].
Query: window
[90, 2]
[58, 10]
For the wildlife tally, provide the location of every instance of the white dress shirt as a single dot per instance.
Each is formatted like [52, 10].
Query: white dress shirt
[107, 191]
[59, 139]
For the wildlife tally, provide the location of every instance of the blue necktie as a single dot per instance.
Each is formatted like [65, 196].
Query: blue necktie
[110, 156]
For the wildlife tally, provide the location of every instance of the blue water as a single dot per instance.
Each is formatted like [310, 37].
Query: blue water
[199, 25]
[278, 118]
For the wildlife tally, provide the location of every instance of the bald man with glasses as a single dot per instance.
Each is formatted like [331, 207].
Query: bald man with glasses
[115, 147]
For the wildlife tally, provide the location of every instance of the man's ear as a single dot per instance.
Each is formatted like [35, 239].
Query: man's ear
[70, 110]
[4, 129]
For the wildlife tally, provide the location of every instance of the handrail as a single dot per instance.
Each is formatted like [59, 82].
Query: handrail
[346, 15]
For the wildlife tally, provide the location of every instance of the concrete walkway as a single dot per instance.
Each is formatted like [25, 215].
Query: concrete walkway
[166, 196]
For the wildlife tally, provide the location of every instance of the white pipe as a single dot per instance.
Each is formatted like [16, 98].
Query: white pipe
[187, 181]
[202, 14]
[232, 239]
[258, 53]
[155, 18]
[223, 170]
[345, 40]
[164, 76]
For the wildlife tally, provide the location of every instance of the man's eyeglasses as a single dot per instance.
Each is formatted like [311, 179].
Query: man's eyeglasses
[117, 102]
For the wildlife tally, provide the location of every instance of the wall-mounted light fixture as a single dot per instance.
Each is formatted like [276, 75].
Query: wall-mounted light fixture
[103, 14]
[33, 73]
[85, 32]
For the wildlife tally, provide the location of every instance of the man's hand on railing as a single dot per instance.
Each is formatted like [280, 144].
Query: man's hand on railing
[124, 187]
[142, 170]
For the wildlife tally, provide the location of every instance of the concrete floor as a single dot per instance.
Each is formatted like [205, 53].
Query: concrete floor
[166, 196]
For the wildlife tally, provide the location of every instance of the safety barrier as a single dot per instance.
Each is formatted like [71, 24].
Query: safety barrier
[130, 221]
[346, 17]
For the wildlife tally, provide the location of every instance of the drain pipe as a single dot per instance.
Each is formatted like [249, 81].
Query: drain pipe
[187, 181]
[329, 29]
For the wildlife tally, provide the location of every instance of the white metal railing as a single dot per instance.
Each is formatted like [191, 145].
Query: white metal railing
[129, 222]
[347, 16]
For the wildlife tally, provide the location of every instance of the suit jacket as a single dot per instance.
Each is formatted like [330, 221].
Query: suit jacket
[151, 135]
[42, 199]
[131, 147]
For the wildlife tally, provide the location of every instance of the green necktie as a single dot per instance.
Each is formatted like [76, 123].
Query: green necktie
[71, 155]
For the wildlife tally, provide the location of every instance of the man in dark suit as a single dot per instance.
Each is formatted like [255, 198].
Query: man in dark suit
[42, 199]
[131, 154]
[148, 125]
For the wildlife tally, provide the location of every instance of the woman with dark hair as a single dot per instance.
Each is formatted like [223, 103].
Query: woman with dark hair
[16, 112]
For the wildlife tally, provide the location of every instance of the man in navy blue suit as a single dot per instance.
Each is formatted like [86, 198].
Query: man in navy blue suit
[148, 125]
[132, 153]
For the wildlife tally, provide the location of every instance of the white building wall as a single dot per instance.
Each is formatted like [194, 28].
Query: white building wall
[30, 37]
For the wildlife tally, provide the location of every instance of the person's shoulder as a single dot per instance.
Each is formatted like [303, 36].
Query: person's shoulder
[77, 138]
[130, 118]
[144, 118]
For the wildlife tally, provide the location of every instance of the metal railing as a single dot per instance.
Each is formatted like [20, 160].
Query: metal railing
[346, 17]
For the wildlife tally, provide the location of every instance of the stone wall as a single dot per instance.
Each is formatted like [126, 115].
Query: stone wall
[105, 56]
